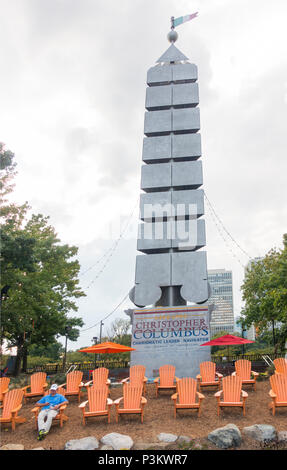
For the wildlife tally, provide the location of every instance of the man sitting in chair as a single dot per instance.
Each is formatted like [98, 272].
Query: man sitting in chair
[50, 405]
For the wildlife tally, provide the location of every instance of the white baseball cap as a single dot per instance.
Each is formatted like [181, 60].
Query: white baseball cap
[54, 387]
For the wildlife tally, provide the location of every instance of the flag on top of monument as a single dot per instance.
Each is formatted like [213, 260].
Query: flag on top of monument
[183, 19]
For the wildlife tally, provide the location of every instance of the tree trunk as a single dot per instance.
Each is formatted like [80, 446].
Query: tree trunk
[20, 351]
[25, 358]
[17, 367]
[273, 332]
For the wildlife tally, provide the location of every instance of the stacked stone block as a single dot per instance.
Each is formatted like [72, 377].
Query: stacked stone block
[171, 270]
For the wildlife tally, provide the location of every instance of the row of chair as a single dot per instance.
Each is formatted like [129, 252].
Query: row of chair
[208, 376]
[133, 402]
[134, 387]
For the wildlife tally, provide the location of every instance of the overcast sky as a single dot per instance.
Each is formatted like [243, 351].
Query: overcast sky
[73, 80]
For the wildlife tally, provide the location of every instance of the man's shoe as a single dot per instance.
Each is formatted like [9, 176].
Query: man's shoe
[41, 434]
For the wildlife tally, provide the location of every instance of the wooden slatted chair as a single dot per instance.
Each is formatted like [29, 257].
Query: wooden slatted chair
[11, 405]
[232, 392]
[166, 379]
[60, 417]
[278, 391]
[280, 365]
[98, 402]
[74, 384]
[133, 401]
[100, 378]
[186, 396]
[208, 376]
[4, 387]
[137, 374]
[37, 386]
[244, 372]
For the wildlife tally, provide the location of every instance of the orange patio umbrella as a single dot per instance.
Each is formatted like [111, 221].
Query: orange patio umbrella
[107, 348]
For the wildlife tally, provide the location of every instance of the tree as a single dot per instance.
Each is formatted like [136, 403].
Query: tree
[39, 283]
[265, 294]
[119, 331]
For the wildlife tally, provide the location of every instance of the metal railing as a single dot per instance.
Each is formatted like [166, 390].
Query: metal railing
[119, 364]
[250, 357]
[83, 366]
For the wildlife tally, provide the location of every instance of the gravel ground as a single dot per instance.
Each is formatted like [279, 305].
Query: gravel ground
[158, 418]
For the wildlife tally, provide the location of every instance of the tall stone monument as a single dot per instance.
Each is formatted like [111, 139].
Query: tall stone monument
[171, 271]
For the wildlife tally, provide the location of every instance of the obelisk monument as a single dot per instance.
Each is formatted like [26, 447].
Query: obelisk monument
[171, 285]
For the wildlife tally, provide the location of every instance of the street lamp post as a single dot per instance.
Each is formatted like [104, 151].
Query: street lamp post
[95, 339]
[101, 326]
[243, 335]
[67, 329]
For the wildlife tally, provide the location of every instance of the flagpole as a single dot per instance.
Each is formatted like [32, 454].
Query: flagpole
[172, 22]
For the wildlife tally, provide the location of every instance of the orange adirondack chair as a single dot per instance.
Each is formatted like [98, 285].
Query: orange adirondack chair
[100, 378]
[37, 386]
[208, 376]
[11, 405]
[280, 365]
[137, 374]
[133, 401]
[4, 386]
[74, 384]
[278, 391]
[244, 372]
[60, 417]
[232, 393]
[99, 403]
[166, 378]
[186, 395]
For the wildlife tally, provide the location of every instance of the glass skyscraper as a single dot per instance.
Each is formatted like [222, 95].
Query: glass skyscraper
[222, 318]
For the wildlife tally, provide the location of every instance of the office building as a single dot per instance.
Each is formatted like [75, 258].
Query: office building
[222, 318]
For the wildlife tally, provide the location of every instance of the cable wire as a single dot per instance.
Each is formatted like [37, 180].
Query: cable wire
[99, 260]
[107, 316]
[113, 248]
[224, 228]
[224, 239]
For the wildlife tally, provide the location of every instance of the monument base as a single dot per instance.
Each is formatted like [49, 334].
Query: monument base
[171, 335]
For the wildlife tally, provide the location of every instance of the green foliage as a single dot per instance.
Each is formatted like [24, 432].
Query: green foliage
[40, 299]
[3, 360]
[20, 381]
[76, 356]
[237, 350]
[40, 361]
[58, 379]
[265, 295]
[7, 169]
[51, 352]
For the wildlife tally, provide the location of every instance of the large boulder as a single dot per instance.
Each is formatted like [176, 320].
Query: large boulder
[282, 437]
[117, 441]
[228, 436]
[260, 432]
[86, 443]
[166, 437]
